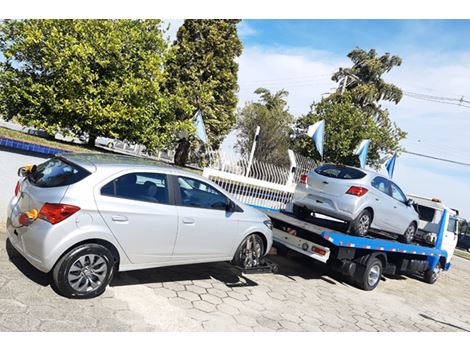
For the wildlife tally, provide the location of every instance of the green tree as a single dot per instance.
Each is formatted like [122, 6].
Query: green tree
[100, 77]
[202, 70]
[345, 126]
[365, 83]
[271, 114]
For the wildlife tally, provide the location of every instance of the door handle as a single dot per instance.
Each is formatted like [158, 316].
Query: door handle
[188, 221]
[377, 199]
[119, 218]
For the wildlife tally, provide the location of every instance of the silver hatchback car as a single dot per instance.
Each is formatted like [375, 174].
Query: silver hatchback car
[364, 199]
[85, 216]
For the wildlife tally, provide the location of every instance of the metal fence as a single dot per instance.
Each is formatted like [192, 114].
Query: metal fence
[265, 185]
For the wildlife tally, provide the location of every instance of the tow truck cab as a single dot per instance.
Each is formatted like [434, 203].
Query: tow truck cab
[430, 212]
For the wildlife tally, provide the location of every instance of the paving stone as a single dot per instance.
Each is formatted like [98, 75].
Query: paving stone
[11, 306]
[238, 296]
[114, 304]
[196, 289]
[204, 306]
[164, 292]
[190, 296]
[217, 292]
[227, 308]
[203, 284]
[174, 286]
[180, 302]
[211, 299]
[290, 326]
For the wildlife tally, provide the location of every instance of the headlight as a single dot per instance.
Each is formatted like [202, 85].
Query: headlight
[268, 223]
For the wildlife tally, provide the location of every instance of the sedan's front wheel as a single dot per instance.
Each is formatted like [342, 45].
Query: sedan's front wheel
[250, 252]
[84, 271]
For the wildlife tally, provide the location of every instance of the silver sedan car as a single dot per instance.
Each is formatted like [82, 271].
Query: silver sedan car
[364, 199]
[86, 216]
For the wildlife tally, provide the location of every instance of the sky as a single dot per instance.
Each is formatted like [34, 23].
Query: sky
[301, 55]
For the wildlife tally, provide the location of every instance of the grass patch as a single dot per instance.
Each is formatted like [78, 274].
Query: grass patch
[5, 132]
[462, 254]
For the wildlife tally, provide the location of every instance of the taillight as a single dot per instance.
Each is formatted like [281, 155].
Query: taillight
[357, 191]
[17, 188]
[55, 213]
[304, 179]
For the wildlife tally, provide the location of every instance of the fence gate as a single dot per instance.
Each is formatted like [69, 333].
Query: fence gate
[263, 185]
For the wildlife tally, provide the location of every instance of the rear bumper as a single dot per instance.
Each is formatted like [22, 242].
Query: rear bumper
[344, 207]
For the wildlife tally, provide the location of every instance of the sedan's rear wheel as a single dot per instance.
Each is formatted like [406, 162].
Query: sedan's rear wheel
[360, 226]
[409, 233]
[249, 252]
[84, 271]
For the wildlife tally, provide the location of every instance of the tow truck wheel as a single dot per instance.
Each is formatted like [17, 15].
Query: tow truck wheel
[370, 277]
[430, 276]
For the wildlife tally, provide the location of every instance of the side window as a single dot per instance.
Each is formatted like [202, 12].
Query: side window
[382, 184]
[397, 193]
[144, 186]
[195, 193]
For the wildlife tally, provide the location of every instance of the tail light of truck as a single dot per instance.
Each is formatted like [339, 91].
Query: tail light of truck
[17, 188]
[55, 213]
[304, 179]
[357, 191]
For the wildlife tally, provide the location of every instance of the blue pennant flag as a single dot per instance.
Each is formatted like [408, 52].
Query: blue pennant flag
[200, 129]
[362, 151]
[317, 133]
[390, 165]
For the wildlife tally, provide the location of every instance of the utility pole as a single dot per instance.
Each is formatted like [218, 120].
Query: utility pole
[255, 140]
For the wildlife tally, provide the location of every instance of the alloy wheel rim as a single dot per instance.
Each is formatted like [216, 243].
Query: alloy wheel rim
[87, 273]
[364, 223]
[251, 252]
[374, 275]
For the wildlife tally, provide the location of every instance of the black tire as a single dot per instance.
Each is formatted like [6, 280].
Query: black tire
[360, 226]
[431, 276]
[300, 212]
[100, 273]
[246, 258]
[369, 278]
[409, 234]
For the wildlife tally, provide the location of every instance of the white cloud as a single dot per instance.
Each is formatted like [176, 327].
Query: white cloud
[305, 74]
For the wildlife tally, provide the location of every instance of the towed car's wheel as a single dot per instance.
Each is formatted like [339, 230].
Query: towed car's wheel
[249, 252]
[409, 233]
[84, 271]
[360, 226]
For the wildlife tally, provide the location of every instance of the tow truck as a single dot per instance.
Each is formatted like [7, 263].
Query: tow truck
[363, 260]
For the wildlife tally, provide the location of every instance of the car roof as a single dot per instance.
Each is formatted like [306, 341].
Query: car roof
[92, 161]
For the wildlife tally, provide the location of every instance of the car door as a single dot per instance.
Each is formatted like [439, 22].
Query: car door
[402, 215]
[138, 209]
[380, 202]
[206, 230]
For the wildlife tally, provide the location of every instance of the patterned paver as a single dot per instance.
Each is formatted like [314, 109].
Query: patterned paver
[303, 296]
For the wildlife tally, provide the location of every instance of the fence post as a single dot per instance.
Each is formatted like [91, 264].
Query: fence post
[293, 166]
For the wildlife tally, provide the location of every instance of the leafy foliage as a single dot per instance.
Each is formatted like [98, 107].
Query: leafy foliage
[345, 126]
[201, 69]
[99, 77]
[271, 114]
[364, 81]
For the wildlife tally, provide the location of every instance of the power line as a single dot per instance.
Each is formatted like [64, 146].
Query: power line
[437, 158]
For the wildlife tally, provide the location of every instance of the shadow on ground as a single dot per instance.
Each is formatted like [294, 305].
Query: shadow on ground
[25, 267]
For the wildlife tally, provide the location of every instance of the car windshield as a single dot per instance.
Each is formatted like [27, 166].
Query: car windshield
[339, 171]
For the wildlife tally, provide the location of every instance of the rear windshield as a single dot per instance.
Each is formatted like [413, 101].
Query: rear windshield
[339, 171]
[425, 213]
[56, 172]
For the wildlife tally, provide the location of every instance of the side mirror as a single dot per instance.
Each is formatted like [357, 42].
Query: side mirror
[25, 171]
[409, 202]
[230, 206]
